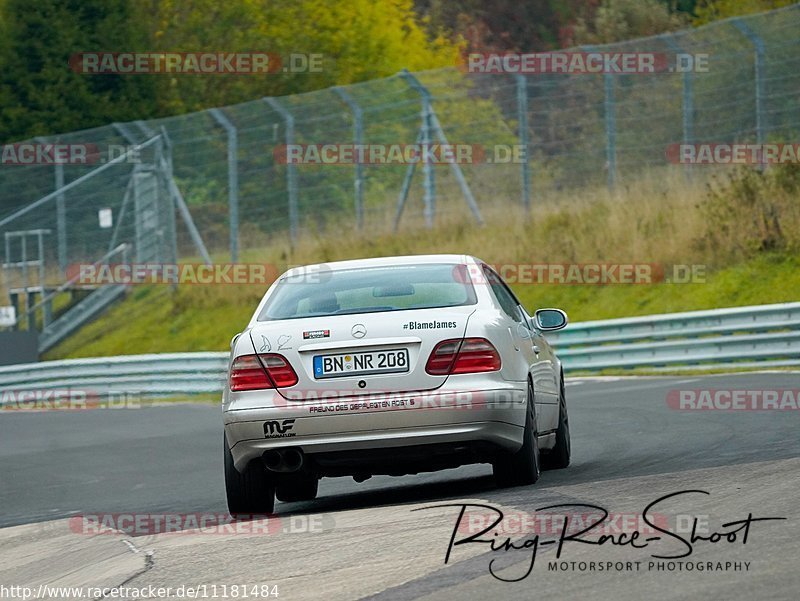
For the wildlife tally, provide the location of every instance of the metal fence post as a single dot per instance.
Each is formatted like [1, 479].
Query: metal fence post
[687, 103]
[126, 198]
[233, 180]
[758, 72]
[163, 145]
[609, 114]
[61, 219]
[358, 140]
[123, 130]
[426, 130]
[146, 129]
[611, 129]
[405, 187]
[432, 127]
[291, 172]
[165, 168]
[61, 213]
[522, 119]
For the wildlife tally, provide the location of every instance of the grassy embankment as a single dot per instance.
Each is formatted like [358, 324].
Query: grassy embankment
[743, 227]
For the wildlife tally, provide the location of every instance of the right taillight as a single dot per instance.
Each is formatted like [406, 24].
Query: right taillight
[470, 355]
[279, 370]
[259, 372]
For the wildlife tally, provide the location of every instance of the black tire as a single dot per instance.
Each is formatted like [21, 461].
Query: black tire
[559, 456]
[521, 468]
[251, 492]
[300, 487]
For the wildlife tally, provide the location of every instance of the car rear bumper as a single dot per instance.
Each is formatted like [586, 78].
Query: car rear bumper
[482, 420]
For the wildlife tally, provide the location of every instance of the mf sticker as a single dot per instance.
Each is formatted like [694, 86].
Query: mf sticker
[316, 334]
[279, 428]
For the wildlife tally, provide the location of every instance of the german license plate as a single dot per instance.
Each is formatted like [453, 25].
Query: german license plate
[361, 364]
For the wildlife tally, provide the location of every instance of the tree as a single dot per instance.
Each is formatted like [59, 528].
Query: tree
[39, 93]
[712, 10]
[618, 20]
[356, 39]
[507, 25]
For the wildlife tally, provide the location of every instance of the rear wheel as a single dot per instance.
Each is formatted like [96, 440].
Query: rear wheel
[300, 487]
[521, 468]
[559, 457]
[251, 492]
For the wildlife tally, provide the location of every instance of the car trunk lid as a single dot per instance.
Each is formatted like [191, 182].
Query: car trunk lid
[364, 353]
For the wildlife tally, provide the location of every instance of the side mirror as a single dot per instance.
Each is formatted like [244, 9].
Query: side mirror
[549, 320]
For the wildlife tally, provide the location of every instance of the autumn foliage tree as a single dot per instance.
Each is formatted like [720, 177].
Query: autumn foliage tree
[356, 39]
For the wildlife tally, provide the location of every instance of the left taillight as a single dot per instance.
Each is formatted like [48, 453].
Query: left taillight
[258, 372]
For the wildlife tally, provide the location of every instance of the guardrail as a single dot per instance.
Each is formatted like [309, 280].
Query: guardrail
[742, 337]
[151, 375]
[745, 337]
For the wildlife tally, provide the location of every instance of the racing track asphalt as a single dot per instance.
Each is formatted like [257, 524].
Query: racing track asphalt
[629, 448]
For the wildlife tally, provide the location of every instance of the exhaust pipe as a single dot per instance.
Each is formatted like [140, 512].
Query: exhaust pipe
[283, 460]
[272, 460]
[292, 460]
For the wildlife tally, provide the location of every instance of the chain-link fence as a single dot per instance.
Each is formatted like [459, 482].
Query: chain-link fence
[226, 168]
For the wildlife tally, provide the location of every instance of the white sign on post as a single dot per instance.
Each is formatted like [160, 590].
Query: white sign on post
[105, 217]
[8, 316]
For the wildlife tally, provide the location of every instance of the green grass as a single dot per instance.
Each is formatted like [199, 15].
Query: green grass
[764, 280]
[204, 318]
[156, 319]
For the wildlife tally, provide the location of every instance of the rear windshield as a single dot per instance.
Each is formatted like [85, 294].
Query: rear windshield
[370, 290]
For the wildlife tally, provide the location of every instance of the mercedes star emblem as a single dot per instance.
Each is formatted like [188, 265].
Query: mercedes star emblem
[359, 330]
